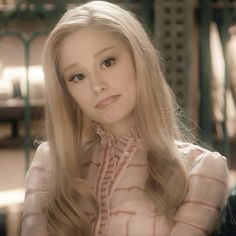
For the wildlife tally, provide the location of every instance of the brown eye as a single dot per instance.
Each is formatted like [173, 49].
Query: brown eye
[108, 62]
[77, 78]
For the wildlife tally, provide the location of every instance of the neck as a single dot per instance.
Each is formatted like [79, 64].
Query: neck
[119, 129]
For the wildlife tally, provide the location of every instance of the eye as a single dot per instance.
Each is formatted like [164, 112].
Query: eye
[108, 62]
[77, 78]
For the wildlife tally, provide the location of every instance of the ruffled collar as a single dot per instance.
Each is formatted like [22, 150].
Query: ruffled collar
[108, 139]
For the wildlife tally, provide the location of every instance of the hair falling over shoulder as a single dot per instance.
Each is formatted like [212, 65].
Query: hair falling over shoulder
[66, 125]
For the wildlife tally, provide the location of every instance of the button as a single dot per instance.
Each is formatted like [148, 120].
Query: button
[126, 154]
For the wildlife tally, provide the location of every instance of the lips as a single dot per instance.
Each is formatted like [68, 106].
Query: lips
[107, 101]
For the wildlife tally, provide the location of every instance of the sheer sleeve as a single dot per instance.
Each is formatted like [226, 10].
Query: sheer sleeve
[36, 187]
[208, 176]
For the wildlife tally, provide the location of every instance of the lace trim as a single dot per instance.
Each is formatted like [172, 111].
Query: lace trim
[108, 139]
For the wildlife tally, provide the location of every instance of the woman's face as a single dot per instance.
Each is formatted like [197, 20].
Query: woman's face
[99, 72]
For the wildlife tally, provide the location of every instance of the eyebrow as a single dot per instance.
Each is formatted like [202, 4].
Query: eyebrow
[103, 50]
[75, 64]
[71, 66]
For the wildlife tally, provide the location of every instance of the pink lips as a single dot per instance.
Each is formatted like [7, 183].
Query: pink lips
[107, 101]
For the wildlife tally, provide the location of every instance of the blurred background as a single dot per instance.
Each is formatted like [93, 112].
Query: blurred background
[197, 40]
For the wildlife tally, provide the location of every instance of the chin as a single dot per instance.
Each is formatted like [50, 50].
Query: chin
[109, 121]
[116, 119]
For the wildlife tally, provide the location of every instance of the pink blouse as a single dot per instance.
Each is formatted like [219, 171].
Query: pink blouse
[119, 170]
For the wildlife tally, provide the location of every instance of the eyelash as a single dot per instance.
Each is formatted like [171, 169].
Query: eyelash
[110, 59]
[75, 78]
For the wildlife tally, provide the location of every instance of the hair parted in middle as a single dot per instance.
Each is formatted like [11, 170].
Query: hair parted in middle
[67, 127]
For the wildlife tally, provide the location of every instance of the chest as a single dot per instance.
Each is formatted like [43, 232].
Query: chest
[119, 180]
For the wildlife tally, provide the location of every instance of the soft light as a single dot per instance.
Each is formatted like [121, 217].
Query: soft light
[6, 89]
[12, 197]
[17, 75]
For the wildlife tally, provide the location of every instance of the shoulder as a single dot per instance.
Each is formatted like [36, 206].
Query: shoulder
[41, 157]
[207, 191]
[202, 161]
[37, 188]
[39, 170]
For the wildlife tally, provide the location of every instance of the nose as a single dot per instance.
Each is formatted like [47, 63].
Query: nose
[99, 85]
[98, 89]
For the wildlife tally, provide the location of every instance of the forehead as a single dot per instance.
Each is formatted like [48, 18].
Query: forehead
[90, 39]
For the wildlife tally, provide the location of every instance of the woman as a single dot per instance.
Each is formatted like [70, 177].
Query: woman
[112, 164]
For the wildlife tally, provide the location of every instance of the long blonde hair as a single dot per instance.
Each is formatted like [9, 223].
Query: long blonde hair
[65, 122]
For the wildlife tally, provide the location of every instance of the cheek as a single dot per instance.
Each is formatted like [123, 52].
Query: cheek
[85, 105]
[132, 88]
[81, 98]
[133, 93]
